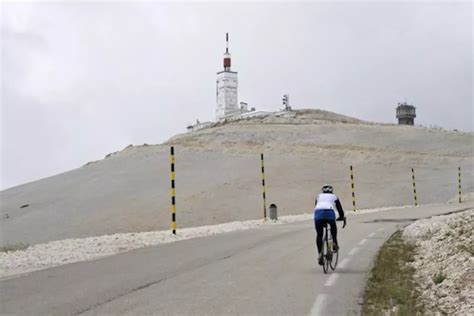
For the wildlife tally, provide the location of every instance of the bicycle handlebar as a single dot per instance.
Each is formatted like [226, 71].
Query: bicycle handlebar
[344, 220]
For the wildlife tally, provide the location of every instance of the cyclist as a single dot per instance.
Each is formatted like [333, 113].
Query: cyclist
[325, 205]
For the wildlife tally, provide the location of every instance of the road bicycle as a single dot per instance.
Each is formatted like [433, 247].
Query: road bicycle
[330, 257]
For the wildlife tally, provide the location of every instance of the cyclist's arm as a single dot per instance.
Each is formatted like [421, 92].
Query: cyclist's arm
[339, 209]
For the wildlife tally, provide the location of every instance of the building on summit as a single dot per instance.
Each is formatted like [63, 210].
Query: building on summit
[406, 114]
[227, 92]
[227, 88]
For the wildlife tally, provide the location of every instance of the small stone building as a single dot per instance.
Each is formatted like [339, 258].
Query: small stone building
[406, 114]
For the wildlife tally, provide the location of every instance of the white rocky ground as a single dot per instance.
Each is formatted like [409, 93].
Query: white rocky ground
[445, 248]
[65, 251]
[218, 177]
[55, 253]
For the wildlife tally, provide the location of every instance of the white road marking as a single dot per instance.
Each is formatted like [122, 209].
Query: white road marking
[380, 229]
[354, 251]
[331, 280]
[371, 235]
[343, 263]
[363, 241]
[319, 304]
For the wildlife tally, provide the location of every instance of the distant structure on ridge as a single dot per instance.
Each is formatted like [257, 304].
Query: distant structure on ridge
[406, 114]
[227, 89]
[228, 106]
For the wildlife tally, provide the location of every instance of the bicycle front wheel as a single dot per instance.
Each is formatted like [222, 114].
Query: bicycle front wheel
[334, 258]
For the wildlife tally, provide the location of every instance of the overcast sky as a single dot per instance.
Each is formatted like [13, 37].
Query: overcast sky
[81, 80]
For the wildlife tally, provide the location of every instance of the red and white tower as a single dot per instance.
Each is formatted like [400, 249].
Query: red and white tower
[226, 54]
[226, 88]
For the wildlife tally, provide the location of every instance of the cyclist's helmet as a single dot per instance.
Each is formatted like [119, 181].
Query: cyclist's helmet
[327, 188]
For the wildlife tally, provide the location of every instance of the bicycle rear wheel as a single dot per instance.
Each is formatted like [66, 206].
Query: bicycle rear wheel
[325, 251]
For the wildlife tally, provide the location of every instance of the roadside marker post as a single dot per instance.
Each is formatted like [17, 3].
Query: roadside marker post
[263, 190]
[173, 193]
[459, 184]
[353, 191]
[414, 185]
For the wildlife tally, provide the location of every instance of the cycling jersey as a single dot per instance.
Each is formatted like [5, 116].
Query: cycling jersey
[326, 205]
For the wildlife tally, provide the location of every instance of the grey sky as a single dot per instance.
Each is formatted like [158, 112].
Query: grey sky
[81, 80]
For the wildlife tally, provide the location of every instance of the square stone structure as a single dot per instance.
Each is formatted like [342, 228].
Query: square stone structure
[227, 94]
[406, 114]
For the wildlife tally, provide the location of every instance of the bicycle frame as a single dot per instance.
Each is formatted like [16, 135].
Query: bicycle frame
[330, 257]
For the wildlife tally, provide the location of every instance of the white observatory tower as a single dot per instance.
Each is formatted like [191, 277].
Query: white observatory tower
[226, 88]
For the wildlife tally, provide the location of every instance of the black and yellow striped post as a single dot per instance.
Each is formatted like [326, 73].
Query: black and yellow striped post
[173, 193]
[353, 191]
[414, 185]
[263, 190]
[459, 184]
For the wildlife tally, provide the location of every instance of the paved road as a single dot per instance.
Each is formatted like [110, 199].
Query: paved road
[263, 271]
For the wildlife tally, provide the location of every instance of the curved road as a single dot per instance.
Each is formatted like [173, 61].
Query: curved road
[267, 271]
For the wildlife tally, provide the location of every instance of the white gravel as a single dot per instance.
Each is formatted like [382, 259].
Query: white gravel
[445, 245]
[55, 253]
[65, 251]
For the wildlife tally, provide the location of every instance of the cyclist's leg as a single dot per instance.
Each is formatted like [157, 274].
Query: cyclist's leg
[334, 233]
[319, 234]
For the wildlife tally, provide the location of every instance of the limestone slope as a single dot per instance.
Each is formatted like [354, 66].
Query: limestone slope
[218, 176]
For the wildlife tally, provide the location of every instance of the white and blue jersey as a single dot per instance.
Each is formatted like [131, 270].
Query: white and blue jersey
[326, 205]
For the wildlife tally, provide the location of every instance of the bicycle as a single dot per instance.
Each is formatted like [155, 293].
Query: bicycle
[330, 257]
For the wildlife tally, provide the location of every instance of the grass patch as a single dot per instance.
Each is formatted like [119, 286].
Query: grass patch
[438, 278]
[14, 247]
[391, 289]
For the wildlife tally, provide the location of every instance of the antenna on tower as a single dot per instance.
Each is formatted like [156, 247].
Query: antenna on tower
[226, 55]
[227, 42]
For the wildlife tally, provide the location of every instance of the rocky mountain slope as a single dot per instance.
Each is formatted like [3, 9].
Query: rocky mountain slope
[444, 262]
[218, 176]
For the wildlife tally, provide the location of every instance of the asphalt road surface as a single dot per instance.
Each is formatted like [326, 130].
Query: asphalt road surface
[267, 271]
